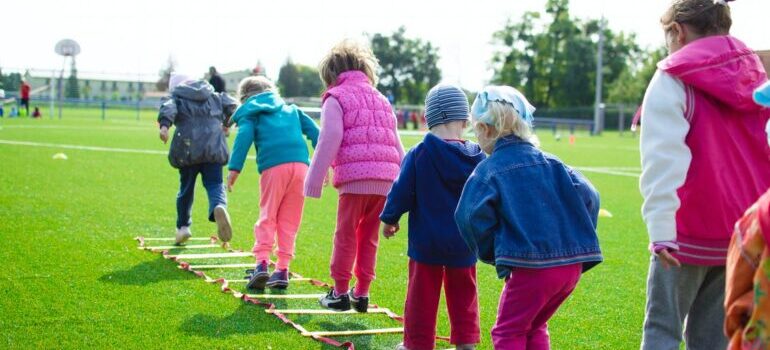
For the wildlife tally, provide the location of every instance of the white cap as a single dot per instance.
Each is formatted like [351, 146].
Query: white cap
[176, 79]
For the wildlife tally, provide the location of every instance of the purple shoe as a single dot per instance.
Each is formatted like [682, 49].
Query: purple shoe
[279, 279]
[259, 276]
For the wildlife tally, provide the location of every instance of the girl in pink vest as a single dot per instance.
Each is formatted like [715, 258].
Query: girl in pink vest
[360, 141]
[704, 162]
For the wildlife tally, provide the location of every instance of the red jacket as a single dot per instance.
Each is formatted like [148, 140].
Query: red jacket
[25, 90]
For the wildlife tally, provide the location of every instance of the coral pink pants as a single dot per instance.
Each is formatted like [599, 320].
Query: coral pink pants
[422, 300]
[355, 241]
[280, 211]
[530, 297]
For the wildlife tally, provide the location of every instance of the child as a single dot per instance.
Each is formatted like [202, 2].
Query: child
[704, 161]
[432, 177]
[747, 297]
[360, 141]
[199, 147]
[527, 214]
[276, 130]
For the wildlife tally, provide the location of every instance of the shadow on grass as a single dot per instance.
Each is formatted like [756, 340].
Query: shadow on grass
[153, 271]
[246, 320]
[362, 342]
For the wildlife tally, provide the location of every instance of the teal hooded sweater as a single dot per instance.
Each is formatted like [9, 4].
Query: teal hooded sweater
[275, 129]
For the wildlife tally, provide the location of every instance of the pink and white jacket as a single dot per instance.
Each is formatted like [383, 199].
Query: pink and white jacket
[359, 139]
[704, 153]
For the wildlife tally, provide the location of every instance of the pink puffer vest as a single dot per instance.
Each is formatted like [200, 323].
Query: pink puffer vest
[730, 165]
[369, 145]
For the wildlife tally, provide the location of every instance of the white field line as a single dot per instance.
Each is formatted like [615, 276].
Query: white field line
[620, 171]
[74, 127]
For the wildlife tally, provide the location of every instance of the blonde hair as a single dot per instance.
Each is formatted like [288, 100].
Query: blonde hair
[507, 121]
[705, 17]
[348, 55]
[251, 86]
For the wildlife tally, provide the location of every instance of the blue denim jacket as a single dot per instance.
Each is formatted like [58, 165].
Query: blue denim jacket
[525, 208]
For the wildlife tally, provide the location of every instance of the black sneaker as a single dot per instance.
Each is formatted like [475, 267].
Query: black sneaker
[335, 302]
[259, 276]
[361, 304]
[279, 279]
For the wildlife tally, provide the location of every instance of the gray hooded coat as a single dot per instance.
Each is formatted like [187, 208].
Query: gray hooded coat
[198, 114]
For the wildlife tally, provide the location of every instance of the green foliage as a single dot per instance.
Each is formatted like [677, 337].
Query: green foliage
[72, 90]
[297, 80]
[554, 64]
[630, 86]
[409, 66]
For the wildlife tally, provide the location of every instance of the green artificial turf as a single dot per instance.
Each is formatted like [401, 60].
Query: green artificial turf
[73, 277]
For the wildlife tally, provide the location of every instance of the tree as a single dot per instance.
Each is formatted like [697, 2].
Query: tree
[289, 80]
[310, 81]
[554, 62]
[86, 90]
[631, 85]
[409, 66]
[165, 74]
[72, 90]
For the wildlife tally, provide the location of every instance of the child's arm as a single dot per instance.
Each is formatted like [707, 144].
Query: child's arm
[587, 193]
[243, 141]
[401, 197]
[329, 142]
[476, 217]
[665, 156]
[166, 117]
[309, 127]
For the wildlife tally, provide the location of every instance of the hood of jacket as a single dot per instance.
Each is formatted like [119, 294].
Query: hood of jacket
[453, 162]
[199, 90]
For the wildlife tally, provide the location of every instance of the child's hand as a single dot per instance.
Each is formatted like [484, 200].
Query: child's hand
[389, 230]
[164, 134]
[668, 260]
[232, 176]
[226, 130]
[328, 178]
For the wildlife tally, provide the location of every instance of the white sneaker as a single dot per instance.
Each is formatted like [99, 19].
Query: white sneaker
[224, 229]
[183, 234]
[401, 347]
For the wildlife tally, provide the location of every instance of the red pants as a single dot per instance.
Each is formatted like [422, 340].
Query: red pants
[422, 299]
[355, 241]
[530, 297]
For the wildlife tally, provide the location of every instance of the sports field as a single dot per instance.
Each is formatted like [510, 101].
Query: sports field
[73, 277]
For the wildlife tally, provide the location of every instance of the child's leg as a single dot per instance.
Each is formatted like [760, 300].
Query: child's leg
[529, 299]
[184, 199]
[421, 307]
[272, 186]
[463, 304]
[290, 215]
[705, 320]
[215, 188]
[670, 295]
[349, 211]
[368, 239]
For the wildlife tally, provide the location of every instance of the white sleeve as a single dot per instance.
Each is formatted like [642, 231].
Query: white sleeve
[665, 155]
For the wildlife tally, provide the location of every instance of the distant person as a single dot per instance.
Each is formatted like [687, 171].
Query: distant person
[199, 147]
[747, 296]
[276, 130]
[24, 91]
[359, 139]
[705, 160]
[2, 102]
[529, 215]
[36, 113]
[432, 177]
[216, 80]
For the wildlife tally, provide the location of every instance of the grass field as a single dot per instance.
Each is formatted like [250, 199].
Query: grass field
[72, 276]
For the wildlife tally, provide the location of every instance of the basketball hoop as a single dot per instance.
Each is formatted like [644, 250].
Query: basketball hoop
[67, 48]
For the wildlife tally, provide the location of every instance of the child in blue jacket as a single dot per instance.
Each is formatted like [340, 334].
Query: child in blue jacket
[529, 215]
[432, 177]
[276, 130]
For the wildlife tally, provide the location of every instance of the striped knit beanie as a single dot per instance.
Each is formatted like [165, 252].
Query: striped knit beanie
[445, 103]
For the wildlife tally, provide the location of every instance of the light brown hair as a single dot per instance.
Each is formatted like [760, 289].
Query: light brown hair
[346, 56]
[705, 17]
[251, 86]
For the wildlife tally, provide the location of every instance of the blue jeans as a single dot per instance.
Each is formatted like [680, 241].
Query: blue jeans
[212, 181]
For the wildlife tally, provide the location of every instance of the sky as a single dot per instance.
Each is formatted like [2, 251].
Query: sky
[133, 39]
